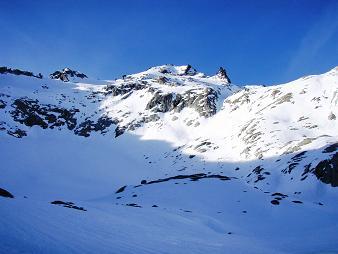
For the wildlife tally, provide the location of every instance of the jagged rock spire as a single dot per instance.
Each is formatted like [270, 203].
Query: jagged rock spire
[190, 70]
[222, 74]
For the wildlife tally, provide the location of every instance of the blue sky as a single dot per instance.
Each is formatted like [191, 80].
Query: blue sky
[258, 42]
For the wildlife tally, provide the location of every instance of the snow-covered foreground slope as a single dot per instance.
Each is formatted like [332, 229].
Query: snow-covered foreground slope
[168, 161]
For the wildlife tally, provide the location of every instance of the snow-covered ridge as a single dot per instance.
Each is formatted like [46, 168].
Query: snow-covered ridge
[204, 116]
[98, 166]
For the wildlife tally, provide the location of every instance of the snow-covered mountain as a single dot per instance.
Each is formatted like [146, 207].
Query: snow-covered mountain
[168, 160]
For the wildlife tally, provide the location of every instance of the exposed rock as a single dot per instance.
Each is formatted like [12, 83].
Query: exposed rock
[5, 70]
[275, 202]
[327, 170]
[134, 205]
[2, 104]
[332, 116]
[278, 194]
[6, 194]
[258, 171]
[294, 161]
[121, 189]
[190, 70]
[193, 177]
[331, 148]
[85, 128]
[163, 102]
[68, 205]
[30, 113]
[162, 80]
[18, 133]
[65, 74]
[124, 88]
[119, 130]
[222, 74]
[203, 101]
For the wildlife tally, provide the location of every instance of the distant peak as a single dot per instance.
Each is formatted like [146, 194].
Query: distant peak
[66, 73]
[190, 70]
[222, 74]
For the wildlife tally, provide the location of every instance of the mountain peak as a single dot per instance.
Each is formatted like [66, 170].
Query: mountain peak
[222, 74]
[66, 73]
[183, 70]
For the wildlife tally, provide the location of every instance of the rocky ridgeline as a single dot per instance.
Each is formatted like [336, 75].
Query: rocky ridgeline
[6, 70]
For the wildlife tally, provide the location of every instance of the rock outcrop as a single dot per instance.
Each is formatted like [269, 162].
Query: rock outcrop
[203, 101]
[6, 70]
[222, 74]
[66, 74]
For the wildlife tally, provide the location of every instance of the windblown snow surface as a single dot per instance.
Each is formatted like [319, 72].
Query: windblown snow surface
[168, 160]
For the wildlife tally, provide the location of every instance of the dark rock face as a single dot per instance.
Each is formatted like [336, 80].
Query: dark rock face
[203, 102]
[119, 130]
[278, 194]
[5, 70]
[2, 104]
[190, 70]
[194, 177]
[30, 113]
[84, 128]
[275, 202]
[121, 189]
[18, 133]
[65, 74]
[258, 171]
[327, 170]
[163, 102]
[67, 204]
[162, 80]
[294, 162]
[5, 194]
[135, 124]
[124, 88]
[134, 205]
[222, 74]
[331, 148]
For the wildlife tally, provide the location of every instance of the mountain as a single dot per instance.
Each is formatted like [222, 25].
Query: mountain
[66, 74]
[168, 160]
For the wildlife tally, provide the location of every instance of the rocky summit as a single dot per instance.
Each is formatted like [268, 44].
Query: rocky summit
[167, 157]
[66, 74]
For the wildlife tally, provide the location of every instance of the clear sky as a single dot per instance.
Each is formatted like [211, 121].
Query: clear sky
[258, 42]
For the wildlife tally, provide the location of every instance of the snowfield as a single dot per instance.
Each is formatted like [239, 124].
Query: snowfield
[168, 160]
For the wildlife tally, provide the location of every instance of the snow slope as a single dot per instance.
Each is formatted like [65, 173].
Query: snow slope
[168, 160]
